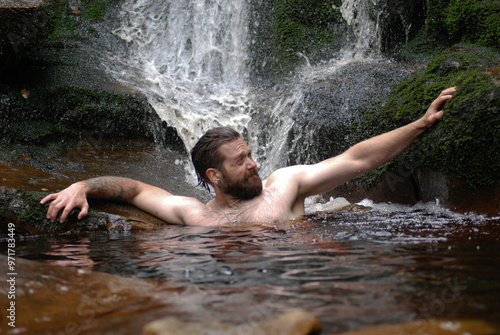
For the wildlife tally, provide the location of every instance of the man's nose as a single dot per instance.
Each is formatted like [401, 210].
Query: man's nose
[251, 164]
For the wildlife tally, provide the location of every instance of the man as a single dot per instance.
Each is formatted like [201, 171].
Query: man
[223, 160]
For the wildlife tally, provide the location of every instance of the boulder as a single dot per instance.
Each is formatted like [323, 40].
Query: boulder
[296, 322]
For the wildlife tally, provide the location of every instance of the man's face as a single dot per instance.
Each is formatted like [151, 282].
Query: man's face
[240, 173]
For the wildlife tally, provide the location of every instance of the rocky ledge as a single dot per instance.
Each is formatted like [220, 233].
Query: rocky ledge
[23, 208]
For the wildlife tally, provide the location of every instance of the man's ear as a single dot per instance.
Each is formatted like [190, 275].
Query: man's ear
[214, 176]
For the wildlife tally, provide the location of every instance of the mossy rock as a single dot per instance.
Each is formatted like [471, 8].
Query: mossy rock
[470, 21]
[303, 27]
[74, 114]
[23, 208]
[466, 142]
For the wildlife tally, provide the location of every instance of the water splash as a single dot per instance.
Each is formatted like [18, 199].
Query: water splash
[189, 58]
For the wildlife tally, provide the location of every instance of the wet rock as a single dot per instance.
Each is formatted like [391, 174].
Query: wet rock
[425, 186]
[296, 322]
[400, 21]
[53, 88]
[434, 327]
[20, 3]
[23, 208]
[23, 25]
[56, 299]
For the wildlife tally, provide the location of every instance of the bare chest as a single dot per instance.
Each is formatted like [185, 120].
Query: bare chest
[269, 207]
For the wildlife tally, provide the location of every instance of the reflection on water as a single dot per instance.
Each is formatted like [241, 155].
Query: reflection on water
[384, 265]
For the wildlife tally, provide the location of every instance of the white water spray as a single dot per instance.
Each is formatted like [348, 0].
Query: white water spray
[189, 58]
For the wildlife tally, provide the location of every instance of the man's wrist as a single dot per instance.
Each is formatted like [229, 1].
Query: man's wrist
[84, 186]
[422, 124]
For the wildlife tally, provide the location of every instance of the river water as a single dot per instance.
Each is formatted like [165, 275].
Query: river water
[356, 268]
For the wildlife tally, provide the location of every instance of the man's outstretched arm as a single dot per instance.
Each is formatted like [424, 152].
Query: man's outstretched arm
[149, 198]
[75, 196]
[369, 154]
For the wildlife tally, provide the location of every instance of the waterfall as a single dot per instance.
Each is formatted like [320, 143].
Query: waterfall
[366, 30]
[190, 59]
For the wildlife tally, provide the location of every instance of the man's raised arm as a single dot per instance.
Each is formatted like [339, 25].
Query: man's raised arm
[369, 154]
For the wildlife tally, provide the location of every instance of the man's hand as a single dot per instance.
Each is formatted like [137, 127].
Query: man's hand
[434, 113]
[74, 196]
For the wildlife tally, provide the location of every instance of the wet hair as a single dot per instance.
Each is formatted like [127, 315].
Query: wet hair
[205, 153]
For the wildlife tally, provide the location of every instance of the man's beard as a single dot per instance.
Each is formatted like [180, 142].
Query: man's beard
[247, 188]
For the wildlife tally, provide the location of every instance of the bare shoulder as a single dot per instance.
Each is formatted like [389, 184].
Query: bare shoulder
[286, 181]
[285, 176]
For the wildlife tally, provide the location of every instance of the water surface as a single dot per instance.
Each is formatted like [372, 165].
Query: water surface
[352, 269]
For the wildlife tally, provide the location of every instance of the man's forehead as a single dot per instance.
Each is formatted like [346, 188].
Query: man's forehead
[234, 147]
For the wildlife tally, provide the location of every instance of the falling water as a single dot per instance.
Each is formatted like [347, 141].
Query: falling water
[366, 30]
[190, 59]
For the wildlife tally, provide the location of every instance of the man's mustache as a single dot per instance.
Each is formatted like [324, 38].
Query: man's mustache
[252, 173]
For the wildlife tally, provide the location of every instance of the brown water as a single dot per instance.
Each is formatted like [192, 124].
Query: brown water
[352, 269]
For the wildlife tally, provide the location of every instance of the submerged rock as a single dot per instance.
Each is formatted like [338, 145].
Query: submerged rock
[297, 322]
[431, 327]
[55, 299]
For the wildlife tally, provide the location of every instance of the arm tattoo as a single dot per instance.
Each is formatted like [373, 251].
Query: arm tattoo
[112, 188]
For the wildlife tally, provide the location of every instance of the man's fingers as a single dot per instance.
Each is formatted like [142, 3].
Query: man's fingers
[48, 198]
[437, 116]
[444, 96]
[53, 210]
[449, 90]
[65, 214]
[84, 211]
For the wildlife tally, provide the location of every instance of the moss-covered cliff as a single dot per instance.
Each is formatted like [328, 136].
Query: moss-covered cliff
[414, 26]
[468, 21]
[304, 27]
[52, 84]
[466, 143]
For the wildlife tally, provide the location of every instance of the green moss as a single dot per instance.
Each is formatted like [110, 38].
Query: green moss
[33, 214]
[449, 22]
[466, 142]
[66, 25]
[94, 10]
[302, 26]
[55, 10]
[474, 21]
[436, 15]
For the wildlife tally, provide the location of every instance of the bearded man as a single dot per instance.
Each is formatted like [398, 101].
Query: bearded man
[224, 161]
